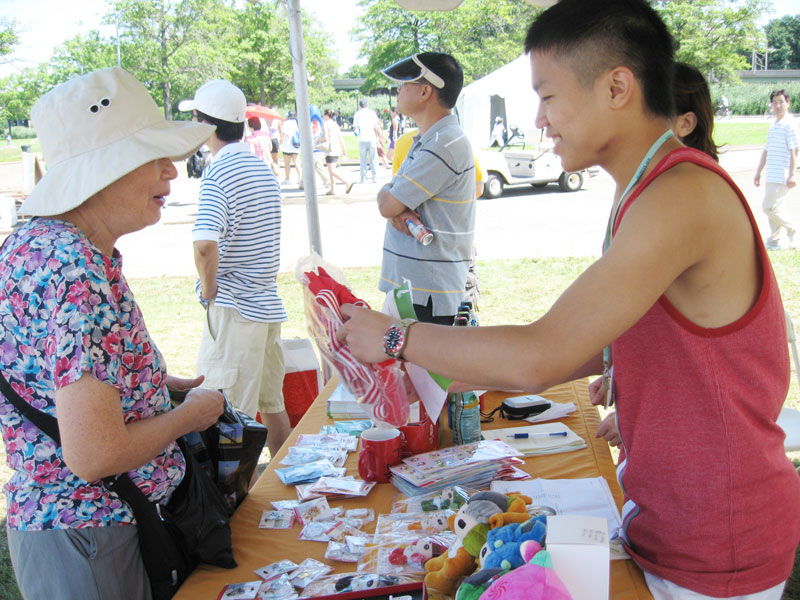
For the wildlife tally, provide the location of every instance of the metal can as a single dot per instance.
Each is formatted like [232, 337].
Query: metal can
[419, 231]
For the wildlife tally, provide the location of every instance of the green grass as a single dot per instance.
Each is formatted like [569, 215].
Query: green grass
[14, 152]
[514, 291]
[741, 134]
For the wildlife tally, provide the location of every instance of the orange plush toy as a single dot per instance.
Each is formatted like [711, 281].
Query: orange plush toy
[482, 512]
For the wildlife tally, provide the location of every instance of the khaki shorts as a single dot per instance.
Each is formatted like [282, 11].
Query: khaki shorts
[244, 358]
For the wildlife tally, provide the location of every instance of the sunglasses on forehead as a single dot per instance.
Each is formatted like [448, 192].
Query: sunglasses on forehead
[412, 69]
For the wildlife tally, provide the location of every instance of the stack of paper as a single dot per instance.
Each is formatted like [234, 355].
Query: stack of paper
[549, 438]
[471, 465]
[342, 404]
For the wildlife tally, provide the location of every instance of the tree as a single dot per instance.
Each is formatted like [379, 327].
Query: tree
[715, 36]
[82, 54]
[9, 37]
[783, 38]
[481, 34]
[172, 44]
[260, 60]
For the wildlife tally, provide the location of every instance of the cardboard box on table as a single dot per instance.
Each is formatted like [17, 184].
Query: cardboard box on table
[580, 551]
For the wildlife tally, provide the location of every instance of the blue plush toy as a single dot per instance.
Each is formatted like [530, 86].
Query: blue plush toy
[501, 550]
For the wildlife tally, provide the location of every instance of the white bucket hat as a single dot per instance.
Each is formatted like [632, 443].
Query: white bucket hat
[97, 128]
[220, 99]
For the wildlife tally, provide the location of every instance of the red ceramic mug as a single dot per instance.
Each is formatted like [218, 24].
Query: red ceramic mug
[380, 449]
[419, 437]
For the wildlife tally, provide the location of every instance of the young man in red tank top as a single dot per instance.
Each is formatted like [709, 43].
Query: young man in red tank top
[685, 298]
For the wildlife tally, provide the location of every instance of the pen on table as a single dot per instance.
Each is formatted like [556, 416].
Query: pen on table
[518, 436]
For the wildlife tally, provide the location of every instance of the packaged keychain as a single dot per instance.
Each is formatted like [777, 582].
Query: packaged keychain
[272, 570]
[277, 519]
[313, 510]
[246, 590]
[279, 588]
[307, 571]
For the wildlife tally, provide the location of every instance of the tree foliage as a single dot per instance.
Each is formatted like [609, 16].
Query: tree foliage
[783, 39]
[481, 34]
[9, 37]
[715, 36]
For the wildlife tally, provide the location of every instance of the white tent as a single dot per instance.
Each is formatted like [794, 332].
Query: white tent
[507, 93]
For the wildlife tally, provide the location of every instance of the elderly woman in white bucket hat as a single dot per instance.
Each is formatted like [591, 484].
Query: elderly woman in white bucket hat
[75, 346]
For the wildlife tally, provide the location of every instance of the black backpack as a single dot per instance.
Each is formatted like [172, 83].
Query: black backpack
[197, 162]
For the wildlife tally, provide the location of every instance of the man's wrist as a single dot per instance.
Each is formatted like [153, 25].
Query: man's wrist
[396, 338]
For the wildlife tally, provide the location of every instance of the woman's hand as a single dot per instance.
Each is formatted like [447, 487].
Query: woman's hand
[204, 407]
[363, 332]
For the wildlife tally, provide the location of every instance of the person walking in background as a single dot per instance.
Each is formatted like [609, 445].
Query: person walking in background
[259, 140]
[394, 132]
[780, 158]
[434, 186]
[236, 236]
[290, 151]
[336, 148]
[366, 126]
[380, 148]
[498, 137]
[275, 132]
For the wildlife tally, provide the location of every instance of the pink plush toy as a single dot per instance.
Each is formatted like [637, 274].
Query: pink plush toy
[535, 580]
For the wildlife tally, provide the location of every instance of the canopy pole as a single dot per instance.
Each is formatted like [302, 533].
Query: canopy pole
[297, 51]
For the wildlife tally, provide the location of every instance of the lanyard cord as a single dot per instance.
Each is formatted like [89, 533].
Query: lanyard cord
[612, 220]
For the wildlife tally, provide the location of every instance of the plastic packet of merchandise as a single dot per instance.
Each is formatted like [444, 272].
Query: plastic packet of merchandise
[246, 590]
[365, 515]
[328, 440]
[272, 570]
[340, 552]
[283, 504]
[415, 523]
[303, 493]
[277, 519]
[403, 554]
[451, 498]
[307, 571]
[280, 588]
[341, 487]
[317, 509]
[352, 427]
[353, 582]
[308, 473]
[318, 531]
[301, 455]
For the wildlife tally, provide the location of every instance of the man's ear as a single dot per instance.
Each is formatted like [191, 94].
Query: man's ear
[620, 84]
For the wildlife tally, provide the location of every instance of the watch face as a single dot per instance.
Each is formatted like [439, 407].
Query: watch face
[394, 339]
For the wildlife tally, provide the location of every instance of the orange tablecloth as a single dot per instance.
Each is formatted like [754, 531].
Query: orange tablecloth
[254, 547]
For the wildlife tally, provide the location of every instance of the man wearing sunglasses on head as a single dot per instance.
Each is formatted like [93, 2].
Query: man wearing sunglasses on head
[434, 186]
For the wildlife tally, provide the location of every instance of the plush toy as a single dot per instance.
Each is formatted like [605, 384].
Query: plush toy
[452, 498]
[535, 580]
[471, 524]
[417, 554]
[501, 549]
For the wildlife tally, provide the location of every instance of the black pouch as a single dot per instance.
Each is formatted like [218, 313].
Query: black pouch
[519, 407]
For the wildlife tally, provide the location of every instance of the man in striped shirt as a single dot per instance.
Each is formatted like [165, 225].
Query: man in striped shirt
[237, 253]
[780, 158]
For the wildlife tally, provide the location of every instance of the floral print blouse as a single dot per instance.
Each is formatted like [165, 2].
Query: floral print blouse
[66, 310]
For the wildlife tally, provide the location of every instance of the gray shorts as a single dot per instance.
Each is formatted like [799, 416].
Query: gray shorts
[93, 563]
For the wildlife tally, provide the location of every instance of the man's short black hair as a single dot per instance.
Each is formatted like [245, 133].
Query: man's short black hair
[226, 130]
[446, 67]
[594, 36]
[781, 92]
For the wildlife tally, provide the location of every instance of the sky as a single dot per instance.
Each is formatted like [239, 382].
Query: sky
[47, 23]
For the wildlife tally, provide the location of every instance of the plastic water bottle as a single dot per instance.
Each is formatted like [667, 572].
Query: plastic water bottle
[463, 409]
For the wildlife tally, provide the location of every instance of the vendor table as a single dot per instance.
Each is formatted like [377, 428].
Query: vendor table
[254, 547]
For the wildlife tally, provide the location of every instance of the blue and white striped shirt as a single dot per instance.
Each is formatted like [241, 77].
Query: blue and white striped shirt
[782, 139]
[240, 209]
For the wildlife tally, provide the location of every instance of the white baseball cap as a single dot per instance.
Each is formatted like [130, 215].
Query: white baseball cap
[96, 128]
[220, 99]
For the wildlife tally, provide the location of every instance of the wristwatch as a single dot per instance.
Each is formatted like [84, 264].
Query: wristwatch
[395, 338]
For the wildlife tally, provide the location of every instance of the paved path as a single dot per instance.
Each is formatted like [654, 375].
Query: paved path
[525, 222]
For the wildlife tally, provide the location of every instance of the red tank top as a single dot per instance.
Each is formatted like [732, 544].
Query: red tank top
[711, 501]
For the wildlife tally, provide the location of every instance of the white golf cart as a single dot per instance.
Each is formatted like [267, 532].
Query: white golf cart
[513, 164]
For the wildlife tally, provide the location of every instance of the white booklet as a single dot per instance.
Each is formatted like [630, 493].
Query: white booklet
[547, 438]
